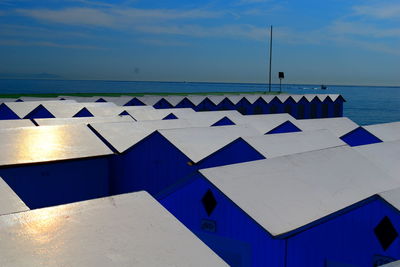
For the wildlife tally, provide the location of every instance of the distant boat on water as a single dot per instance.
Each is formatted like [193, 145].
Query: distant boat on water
[323, 87]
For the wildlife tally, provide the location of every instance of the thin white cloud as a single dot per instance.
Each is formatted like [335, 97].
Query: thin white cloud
[114, 17]
[363, 29]
[380, 11]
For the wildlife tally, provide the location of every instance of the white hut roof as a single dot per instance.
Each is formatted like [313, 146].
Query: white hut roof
[123, 135]
[386, 155]
[24, 108]
[216, 99]
[208, 118]
[150, 100]
[9, 201]
[393, 197]
[276, 145]
[81, 120]
[124, 230]
[199, 143]
[6, 99]
[265, 122]
[196, 99]
[117, 100]
[234, 98]
[385, 131]
[49, 143]
[174, 99]
[338, 126]
[5, 124]
[285, 193]
[158, 114]
[251, 97]
[39, 99]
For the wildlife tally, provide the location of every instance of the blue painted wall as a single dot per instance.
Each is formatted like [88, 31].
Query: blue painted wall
[244, 107]
[260, 107]
[49, 184]
[360, 136]
[7, 114]
[235, 236]
[347, 237]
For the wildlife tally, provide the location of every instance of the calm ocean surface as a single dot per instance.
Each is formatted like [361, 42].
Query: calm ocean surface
[365, 105]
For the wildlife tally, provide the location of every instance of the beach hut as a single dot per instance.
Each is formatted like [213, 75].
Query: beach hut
[9, 201]
[52, 165]
[163, 158]
[302, 107]
[247, 103]
[338, 101]
[226, 104]
[306, 209]
[385, 131]
[125, 230]
[315, 106]
[260, 105]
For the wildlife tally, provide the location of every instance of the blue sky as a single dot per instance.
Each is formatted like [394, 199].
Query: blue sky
[321, 42]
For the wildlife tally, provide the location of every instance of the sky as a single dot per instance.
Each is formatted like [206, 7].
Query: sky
[349, 42]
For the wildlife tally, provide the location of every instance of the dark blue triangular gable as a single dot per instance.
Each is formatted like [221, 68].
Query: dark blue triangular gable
[235, 152]
[40, 112]
[123, 113]
[84, 112]
[286, 127]
[224, 121]
[6, 113]
[100, 100]
[134, 102]
[162, 103]
[185, 103]
[170, 116]
[19, 100]
[359, 137]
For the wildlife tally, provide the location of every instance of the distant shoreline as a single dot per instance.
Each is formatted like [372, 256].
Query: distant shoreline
[132, 94]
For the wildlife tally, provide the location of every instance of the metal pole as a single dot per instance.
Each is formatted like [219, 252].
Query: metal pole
[280, 85]
[270, 59]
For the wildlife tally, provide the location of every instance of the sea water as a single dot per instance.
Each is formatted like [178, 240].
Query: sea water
[364, 104]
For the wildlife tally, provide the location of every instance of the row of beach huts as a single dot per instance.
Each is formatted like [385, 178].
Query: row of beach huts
[146, 186]
[299, 106]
